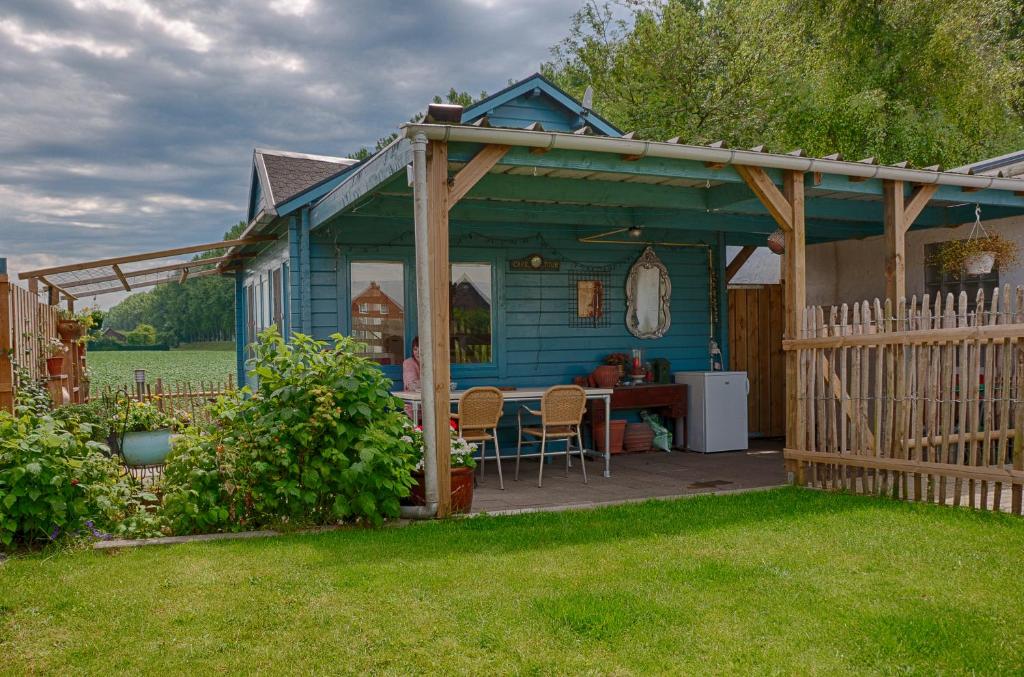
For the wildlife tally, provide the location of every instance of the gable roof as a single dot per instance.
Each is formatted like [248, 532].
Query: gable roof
[537, 99]
[279, 176]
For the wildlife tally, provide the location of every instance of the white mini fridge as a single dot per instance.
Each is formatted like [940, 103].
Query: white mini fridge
[717, 410]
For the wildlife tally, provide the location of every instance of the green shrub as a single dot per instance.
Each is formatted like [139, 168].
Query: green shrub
[74, 418]
[320, 440]
[53, 481]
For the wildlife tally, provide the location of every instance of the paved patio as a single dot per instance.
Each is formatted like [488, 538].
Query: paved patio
[634, 477]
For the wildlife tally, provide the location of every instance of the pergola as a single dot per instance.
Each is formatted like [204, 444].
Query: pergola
[470, 174]
[133, 271]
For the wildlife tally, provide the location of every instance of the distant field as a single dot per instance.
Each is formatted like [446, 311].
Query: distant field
[116, 368]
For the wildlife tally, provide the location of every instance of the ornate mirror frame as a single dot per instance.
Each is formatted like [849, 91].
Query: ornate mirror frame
[648, 295]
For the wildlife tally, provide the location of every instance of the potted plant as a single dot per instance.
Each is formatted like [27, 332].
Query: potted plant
[462, 465]
[69, 328]
[617, 360]
[976, 255]
[143, 432]
[54, 349]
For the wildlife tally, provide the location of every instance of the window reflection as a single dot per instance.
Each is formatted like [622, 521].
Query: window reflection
[471, 313]
[378, 315]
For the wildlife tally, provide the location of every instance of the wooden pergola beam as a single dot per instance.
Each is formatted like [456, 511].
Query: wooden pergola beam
[152, 283]
[121, 277]
[474, 170]
[737, 262]
[149, 271]
[899, 213]
[147, 256]
[767, 192]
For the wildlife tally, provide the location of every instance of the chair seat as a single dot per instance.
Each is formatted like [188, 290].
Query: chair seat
[554, 431]
[476, 436]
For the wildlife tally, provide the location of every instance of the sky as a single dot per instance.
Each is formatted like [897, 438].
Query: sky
[129, 125]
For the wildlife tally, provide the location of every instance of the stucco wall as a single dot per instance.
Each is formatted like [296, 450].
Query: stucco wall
[854, 270]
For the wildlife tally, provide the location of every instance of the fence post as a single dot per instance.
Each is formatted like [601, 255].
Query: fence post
[160, 393]
[6, 365]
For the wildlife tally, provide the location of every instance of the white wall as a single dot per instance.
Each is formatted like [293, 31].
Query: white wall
[854, 270]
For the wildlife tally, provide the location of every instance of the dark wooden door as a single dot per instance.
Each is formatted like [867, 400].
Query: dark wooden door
[755, 346]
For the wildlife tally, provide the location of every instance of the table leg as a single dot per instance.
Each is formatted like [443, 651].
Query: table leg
[607, 436]
[415, 412]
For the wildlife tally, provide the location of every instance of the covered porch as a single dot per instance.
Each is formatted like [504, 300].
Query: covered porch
[494, 203]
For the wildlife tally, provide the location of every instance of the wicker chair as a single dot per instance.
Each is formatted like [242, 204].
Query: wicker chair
[478, 414]
[561, 413]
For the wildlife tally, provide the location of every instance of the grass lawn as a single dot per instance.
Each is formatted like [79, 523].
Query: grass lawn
[786, 581]
[115, 368]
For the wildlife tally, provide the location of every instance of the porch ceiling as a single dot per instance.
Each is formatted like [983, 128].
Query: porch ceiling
[532, 186]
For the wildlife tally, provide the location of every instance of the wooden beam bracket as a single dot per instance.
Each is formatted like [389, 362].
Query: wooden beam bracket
[474, 170]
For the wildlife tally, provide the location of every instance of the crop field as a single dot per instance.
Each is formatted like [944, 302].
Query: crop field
[115, 369]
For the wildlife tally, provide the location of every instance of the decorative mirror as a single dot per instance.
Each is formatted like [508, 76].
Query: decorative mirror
[648, 293]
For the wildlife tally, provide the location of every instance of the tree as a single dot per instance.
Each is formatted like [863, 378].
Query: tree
[142, 335]
[921, 80]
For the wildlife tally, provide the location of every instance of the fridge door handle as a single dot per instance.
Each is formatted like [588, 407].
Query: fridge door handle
[747, 379]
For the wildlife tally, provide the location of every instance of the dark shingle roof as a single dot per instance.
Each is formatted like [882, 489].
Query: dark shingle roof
[292, 173]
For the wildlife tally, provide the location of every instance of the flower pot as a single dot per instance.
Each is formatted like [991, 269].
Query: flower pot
[980, 263]
[55, 366]
[146, 448]
[639, 437]
[606, 376]
[69, 330]
[618, 433]
[777, 242]
[462, 489]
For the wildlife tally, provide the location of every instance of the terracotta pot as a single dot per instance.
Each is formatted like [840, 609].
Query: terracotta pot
[606, 376]
[618, 433]
[639, 437]
[69, 330]
[55, 366]
[462, 490]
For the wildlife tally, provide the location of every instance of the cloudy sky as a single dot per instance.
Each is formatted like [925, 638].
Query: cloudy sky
[128, 125]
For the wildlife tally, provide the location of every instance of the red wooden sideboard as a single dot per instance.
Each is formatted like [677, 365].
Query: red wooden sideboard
[666, 399]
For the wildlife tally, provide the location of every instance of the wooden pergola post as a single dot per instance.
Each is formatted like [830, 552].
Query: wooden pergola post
[440, 365]
[899, 214]
[787, 208]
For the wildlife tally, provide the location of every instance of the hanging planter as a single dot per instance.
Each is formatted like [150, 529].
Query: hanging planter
[978, 254]
[777, 242]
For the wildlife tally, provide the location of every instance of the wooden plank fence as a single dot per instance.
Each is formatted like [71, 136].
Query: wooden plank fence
[26, 324]
[180, 398]
[923, 403]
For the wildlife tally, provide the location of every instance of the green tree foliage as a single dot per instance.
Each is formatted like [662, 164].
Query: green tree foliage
[143, 335]
[928, 81]
[201, 309]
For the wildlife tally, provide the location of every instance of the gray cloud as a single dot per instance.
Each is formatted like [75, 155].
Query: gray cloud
[128, 124]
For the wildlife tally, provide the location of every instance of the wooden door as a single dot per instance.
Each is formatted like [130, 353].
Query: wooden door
[755, 346]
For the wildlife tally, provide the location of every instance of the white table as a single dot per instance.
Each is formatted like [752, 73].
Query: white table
[415, 399]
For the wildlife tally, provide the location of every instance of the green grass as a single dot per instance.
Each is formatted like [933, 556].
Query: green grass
[115, 368]
[787, 581]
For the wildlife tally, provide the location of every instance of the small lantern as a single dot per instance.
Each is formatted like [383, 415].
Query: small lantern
[140, 376]
[777, 241]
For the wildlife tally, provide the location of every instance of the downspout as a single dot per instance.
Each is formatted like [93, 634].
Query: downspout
[419, 193]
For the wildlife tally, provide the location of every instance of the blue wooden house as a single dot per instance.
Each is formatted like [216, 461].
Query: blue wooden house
[505, 235]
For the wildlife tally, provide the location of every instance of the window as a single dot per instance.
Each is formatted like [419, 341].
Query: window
[376, 286]
[470, 303]
[250, 314]
[937, 281]
[276, 305]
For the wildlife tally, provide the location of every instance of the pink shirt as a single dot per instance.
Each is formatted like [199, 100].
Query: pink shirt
[410, 374]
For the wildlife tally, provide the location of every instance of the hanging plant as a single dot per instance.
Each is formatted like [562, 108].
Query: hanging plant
[777, 241]
[978, 254]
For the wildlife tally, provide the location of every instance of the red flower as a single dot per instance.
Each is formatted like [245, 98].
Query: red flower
[74, 483]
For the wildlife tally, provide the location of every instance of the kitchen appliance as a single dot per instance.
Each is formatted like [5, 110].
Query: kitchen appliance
[717, 411]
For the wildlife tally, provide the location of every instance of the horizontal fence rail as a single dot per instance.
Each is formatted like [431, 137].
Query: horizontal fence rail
[921, 402]
[182, 399]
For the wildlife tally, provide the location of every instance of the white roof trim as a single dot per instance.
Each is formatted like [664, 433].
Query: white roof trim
[307, 156]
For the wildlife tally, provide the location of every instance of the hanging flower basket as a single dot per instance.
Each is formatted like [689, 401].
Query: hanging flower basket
[777, 242]
[976, 255]
[70, 330]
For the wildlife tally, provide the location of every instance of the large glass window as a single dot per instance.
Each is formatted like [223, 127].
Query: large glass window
[377, 285]
[471, 313]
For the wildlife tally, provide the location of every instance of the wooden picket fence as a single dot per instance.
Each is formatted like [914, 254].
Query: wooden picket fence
[922, 404]
[182, 399]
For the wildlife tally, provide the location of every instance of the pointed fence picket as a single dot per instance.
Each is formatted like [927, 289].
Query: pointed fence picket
[922, 401]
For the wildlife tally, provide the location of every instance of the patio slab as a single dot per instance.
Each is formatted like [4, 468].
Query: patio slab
[634, 477]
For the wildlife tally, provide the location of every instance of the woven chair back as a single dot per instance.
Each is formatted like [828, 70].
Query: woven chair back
[480, 408]
[563, 405]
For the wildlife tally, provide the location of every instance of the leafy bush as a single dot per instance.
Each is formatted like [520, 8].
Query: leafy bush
[321, 439]
[74, 418]
[53, 481]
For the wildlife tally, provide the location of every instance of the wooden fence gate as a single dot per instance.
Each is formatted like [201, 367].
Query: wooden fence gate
[923, 404]
[755, 346]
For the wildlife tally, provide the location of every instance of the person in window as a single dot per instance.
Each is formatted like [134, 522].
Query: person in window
[411, 368]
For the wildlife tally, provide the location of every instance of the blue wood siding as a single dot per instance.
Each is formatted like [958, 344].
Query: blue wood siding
[527, 109]
[534, 344]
